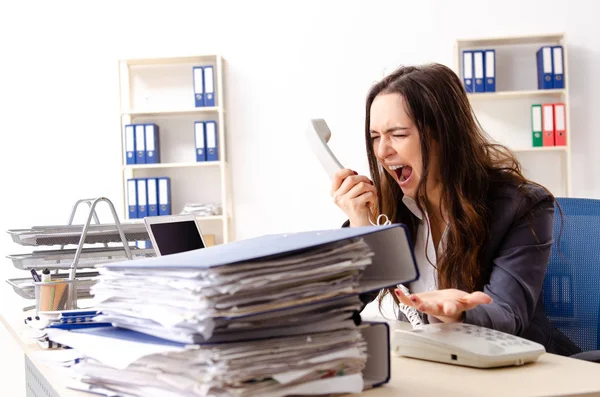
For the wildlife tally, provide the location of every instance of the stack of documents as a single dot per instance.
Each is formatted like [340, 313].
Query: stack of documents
[273, 316]
[177, 298]
[202, 209]
[133, 364]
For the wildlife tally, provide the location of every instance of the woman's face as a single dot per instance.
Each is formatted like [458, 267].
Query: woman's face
[396, 142]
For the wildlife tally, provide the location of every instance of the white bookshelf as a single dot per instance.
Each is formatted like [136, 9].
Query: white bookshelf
[506, 114]
[160, 91]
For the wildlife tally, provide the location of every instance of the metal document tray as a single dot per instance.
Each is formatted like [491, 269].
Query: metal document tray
[25, 287]
[62, 259]
[71, 234]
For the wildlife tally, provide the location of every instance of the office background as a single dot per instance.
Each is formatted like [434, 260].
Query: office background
[286, 61]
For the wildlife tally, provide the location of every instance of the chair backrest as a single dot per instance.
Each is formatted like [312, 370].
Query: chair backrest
[572, 284]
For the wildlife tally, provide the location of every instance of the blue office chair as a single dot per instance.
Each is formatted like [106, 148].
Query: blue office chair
[572, 283]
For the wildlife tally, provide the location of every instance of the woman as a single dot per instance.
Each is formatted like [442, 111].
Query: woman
[482, 232]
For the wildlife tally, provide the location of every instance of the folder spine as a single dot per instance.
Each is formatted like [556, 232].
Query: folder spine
[130, 152]
[558, 67]
[200, 140]
[536, 125]
[479, 71]
[490, 70]
[212, 141]
[164, 196]
[132, 199]
[152, 143]
[467, 70]
[198, 75]
[548, 124]
[560, 125]
[544, 68]
[209, 86]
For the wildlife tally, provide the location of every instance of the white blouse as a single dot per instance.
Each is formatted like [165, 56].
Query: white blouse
[425, 253]
[426, 259]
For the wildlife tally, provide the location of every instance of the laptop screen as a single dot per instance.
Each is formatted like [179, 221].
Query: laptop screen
[175, 237]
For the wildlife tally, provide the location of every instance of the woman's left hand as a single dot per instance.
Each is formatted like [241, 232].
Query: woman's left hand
[447, 305]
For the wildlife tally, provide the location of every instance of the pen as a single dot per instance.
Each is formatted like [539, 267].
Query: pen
[36, 276]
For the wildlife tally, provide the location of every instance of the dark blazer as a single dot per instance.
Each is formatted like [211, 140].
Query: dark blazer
[514, 266]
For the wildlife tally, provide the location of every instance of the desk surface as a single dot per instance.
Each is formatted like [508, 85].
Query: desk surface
[551, 375]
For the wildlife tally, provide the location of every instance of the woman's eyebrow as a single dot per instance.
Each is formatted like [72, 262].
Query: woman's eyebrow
[389, 130]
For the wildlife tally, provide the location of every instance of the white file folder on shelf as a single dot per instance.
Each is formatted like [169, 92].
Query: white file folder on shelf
[130, 153]
[140, 144]
[209, 86]
[132, 199]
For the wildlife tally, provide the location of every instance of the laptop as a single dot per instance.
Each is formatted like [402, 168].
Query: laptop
[174, 233]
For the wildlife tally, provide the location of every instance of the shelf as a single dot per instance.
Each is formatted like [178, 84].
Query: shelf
[173, 165]
[170, 61]
[210, 218]
[511, 40]
[172, 112]
[541, 149]
[516, 94]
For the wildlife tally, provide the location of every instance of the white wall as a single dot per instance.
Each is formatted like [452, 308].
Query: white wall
[286, 62]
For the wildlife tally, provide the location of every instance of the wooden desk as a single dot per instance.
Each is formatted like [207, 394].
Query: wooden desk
[551, 375]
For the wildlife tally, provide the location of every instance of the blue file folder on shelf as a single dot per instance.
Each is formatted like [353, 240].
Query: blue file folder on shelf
[209, 86]
[490, 70]
[212, 141]
[479, 71]
[545, 71]
[152, 189]
[468, 70]
[130, 152]
[200, 139]
[132, 199]
[558, 67]
[198, 86]
[152, 144]
[142, 198]
[164, 196]
[140, 144]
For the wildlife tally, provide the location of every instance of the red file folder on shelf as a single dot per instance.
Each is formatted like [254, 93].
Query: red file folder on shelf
[548, 124]
[560, 125]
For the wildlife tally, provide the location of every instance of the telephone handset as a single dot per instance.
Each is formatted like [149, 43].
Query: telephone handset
[318, 134]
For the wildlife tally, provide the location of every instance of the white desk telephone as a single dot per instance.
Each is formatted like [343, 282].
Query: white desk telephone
[464, 344]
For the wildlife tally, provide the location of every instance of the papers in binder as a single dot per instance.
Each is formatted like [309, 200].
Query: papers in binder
[311, 363]
[273, 316]
[183, 304]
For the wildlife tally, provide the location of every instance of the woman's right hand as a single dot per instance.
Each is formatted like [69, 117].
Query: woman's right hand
[354, 194]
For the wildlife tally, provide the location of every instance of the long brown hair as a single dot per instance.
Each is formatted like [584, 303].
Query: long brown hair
[438, 105]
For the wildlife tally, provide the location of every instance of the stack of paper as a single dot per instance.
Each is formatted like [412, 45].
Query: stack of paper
[271, 316]
[317, 363]
[245, 300]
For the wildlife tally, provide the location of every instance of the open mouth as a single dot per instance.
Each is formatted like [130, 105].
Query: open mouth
[403, 172]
